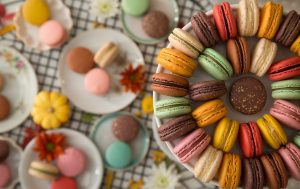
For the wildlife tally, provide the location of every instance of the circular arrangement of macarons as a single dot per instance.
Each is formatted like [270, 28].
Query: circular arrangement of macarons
[185, 126]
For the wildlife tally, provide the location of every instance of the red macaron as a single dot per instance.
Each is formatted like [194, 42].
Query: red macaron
[225, 21]
[250, 140]
[285, 69]
[64, 183]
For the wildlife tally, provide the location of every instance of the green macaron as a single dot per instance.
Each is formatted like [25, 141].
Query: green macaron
[286, 89]
[215, 64]
[297, 139]
[118, 155]
[172, 107]
[135, 7]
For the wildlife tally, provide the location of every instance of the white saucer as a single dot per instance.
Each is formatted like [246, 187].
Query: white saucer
[90, 179]
[20, 86]
[72, 84]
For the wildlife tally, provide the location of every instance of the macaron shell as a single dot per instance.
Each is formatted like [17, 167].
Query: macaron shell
[290, 155]
[286, 89]
[207, 90]
[230, 171]
[97, 81]
[64, 183]
[5, 175]
[285, 69]
[172, 107]
[248, 17]
[253, 175]
[297, 139]
[52, 33]
[296, 46]
[208, 164]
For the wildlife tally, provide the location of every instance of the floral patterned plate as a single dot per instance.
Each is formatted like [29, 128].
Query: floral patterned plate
[20, 86]
[126, 73]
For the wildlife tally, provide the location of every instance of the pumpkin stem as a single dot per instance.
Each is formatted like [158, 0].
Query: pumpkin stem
[50, 110]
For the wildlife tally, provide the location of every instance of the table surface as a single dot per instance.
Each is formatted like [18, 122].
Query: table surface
[45, 65]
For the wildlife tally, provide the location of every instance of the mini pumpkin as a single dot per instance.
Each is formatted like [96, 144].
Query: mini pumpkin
[50, 110]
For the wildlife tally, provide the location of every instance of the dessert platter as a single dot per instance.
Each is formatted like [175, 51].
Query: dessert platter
[227, 95]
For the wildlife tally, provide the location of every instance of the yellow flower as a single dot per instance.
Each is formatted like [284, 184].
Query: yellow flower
[108, 180]
[147, 104]
[158, 156]
[136, 184]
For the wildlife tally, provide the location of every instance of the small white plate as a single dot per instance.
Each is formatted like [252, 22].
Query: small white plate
[28, 33]
[20, 86]
[90, 179]
[13, 161]
[72, 83]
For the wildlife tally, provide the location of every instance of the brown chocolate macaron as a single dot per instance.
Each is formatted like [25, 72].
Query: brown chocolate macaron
[156, 24]
[248, 95]
[4, 150]
[1, 82]
[253, 174]
[170, 84]
[80, 60]
[207, 90]
[125, 128]
[239, 55]
[4, 107]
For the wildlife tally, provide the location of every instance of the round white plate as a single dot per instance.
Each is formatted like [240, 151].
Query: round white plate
[72, 83]
[20, 86]
[90, 179]
[13, 161]
[200, 75]
[28, 33]
[133, 25]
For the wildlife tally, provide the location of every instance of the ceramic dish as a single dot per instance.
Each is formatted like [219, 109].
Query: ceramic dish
[102, 136]
[27, 33]
[13, 160]
[133, 25]
[200, 75]
[72, 84]
[90, 179]
[20, 86]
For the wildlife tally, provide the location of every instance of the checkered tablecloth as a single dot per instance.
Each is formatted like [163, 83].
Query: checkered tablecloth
[45, 65]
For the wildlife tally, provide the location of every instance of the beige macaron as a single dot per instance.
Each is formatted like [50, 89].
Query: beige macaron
[248, 17]
[1, 82]
[107, 54]
[43, 170]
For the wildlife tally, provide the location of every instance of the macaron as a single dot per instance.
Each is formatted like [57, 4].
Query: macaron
[97, 81]
[285, 69]
[205, 29]
[172, 107]
[176, 127]
[192, 145]
[1, 82]
[80, 60]
[72, 162]
[185, 42]
[4, 107]
[270, 20]
[176, 62]
[156, 24]
[238, 54]
[209, 112]
[253, 174]
[296, 46]
[272, 131]
[297, 139]
[263, 56]
[4, 150]
[225, 21]
[289, 29]
[207, 90]
[6, 176]
[225, 134]
[290, 155]
[52, 33]
[230, 171]
[287, 113]
[250, 140]
[107, 54]
[170, 84]
[215, 64]
[125, 128]
[276, 175]
[35, 12]
[208, 164]
[43, 170]
[286, 89]
[63, 183]
[118, 155]
[247, 17]
[135, 7]
[248, 95]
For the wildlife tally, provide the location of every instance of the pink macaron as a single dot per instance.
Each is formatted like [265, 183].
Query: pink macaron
[97, 81]
[192, 145]
[72, 163]
[5, 175]
[290, 154]
[287, 113]
[52, 33]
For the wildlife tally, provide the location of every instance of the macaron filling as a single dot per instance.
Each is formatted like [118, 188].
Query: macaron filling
[226, 22]
[286, 68]
[44, 171]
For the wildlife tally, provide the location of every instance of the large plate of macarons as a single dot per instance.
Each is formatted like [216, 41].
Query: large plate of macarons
[227, 95]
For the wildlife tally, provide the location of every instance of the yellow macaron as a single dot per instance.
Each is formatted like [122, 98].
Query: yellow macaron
[296, 46]
[36, 12]
[230, 172]
[225, 134]
[176, 62]
[271, 17]
[272, 131]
